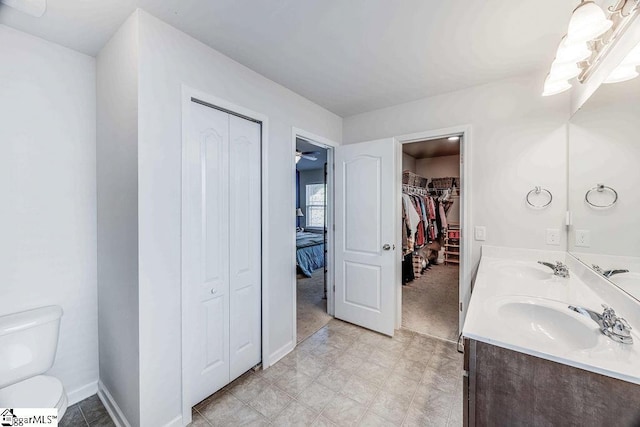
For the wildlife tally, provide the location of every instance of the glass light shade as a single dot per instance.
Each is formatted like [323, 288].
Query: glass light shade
[622, 74]
[572, 52]
[633, 57]
[299, 212]
[564, 71]
[554, 87]
[588, 21]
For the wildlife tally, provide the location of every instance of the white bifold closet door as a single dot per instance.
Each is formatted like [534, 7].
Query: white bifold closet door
[221, 248]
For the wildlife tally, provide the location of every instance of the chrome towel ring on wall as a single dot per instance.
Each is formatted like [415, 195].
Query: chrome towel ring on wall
[538, 190]
[600, 188]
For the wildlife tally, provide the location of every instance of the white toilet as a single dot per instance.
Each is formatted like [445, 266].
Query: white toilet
[28, 343]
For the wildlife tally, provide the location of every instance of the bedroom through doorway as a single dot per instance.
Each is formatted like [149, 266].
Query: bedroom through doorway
[312, 219]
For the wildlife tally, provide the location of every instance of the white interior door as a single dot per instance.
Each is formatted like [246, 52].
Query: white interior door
[365, 254]
[206, 250]
[245, 226]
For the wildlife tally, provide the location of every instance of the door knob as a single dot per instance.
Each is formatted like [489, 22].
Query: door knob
[213, 291]
[386, 247]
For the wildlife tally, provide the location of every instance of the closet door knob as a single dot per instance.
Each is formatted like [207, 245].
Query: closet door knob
[213, 291]
[386, 247]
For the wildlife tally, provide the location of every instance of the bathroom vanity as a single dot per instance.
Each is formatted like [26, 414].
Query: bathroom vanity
[510, 388]
[534, 356]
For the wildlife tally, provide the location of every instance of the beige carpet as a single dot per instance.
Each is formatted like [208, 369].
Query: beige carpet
[430, 303]
[312, 308]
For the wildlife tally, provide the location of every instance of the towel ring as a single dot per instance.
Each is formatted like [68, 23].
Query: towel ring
[538, 190]
[600, 188]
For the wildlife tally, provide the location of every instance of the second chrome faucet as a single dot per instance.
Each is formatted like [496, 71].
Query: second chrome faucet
[607, 273]
[559, 269]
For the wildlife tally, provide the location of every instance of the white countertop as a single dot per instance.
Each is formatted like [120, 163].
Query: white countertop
[513, 277]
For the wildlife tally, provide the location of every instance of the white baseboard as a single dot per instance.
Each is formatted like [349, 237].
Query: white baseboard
[176, 422]
[82, 393]
[280, 353]
[111, 406]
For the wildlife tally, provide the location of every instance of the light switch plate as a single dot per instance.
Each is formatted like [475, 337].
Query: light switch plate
[553, 236]
[480, 233]
[583, 238]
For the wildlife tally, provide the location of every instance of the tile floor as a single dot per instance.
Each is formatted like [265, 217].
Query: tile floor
[87, 413]
[345, 375]
[311, 310]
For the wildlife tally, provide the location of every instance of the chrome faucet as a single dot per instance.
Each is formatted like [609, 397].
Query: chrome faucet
[616, 328]
[608, 273]
[559, 269]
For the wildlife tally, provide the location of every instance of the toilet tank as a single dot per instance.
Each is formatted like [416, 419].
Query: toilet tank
[28, 343]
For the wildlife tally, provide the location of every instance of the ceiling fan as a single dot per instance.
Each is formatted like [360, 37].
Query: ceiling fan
[309, 155]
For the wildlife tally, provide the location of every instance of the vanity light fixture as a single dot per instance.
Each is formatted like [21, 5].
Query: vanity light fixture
[588, 22]
[591, 34]
[627, 70]
[566, 71]
[572, 52]
[622, 74]
[554, 87]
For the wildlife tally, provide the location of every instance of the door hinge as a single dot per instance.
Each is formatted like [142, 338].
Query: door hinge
[460, 306]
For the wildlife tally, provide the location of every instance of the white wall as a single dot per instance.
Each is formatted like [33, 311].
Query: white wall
[408, 163]
[439, 167]
[518, 141]
[168, 59]
[117, 179]
[310, 176]
[47, 183]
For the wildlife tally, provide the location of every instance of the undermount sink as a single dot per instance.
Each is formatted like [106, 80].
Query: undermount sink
[524, 270]
[546, 322]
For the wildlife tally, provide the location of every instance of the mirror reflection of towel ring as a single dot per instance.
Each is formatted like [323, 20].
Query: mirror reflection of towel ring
[600, 188]
[538, 190]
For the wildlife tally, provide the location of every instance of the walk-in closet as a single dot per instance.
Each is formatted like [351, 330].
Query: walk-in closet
[431, 245]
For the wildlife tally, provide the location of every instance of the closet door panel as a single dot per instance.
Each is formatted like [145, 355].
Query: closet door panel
[245, 244]
[205, 249]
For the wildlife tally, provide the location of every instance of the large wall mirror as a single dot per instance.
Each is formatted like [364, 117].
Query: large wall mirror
[604, 184]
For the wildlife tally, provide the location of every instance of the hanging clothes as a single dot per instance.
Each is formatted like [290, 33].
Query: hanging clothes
[412, 215]
[443, 216]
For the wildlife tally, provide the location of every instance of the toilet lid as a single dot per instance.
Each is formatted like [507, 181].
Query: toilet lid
[37, 392]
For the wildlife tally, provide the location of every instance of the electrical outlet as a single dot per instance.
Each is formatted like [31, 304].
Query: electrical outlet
[480, 233]
[583, 238]
[553, 236]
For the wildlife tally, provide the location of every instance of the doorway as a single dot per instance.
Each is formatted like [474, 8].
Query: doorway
[430, 227]
[313, 221]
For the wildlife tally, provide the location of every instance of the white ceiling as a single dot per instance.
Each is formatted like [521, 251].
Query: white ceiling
[349, 56]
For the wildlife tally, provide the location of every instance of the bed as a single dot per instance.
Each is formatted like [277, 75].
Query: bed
[309, 252]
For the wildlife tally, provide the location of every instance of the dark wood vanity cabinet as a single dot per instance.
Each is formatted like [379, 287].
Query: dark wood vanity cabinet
[507, 388]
